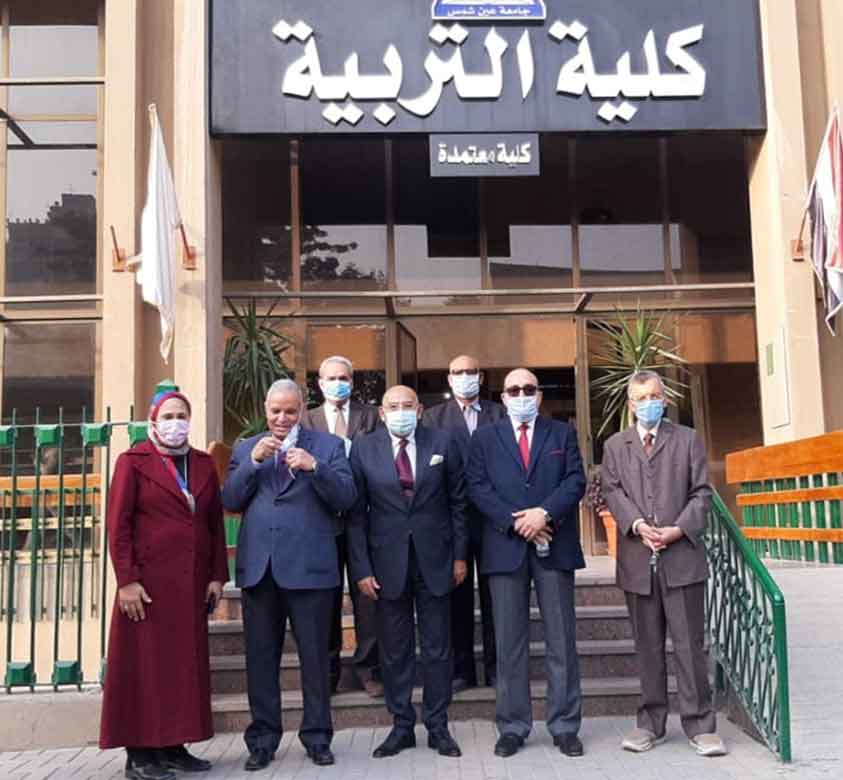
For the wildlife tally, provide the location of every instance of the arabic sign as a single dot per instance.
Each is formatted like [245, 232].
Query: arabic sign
[481, 154]
[485, 10]
[316, 66]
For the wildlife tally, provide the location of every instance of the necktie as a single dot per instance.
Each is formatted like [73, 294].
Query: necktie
[340, 428]
[470, 419]
[648, 444]
[405, 470]
[524, 446]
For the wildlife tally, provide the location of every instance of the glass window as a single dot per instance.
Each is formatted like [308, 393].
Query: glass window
[619, 201]
[53, 39]
[256, 231]
[51, 209]
[528, 224]
[437, 237]
[343, 239]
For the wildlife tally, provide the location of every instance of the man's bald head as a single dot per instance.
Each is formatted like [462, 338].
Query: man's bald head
[400, 396]
[520, 376]
[521, 383]
[463, 363]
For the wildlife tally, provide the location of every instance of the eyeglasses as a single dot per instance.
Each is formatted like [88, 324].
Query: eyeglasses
[515, 390]
[466, 371]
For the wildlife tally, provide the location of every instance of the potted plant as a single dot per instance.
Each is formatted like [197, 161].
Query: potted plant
[626, 345]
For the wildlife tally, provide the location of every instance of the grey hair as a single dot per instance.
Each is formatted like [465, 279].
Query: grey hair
[284, 386]
[641, 378]
[336, 359]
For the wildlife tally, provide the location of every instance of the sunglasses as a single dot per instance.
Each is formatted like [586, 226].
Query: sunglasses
[516, 390]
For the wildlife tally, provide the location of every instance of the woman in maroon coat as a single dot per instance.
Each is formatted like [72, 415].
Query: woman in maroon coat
[167, 545]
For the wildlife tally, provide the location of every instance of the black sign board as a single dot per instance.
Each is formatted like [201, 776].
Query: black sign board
[450, 66]
[484, 154]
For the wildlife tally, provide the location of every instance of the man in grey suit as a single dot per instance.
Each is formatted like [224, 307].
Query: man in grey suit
[655, 483]
[346, 418]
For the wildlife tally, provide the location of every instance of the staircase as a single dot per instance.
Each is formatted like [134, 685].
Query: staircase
[608, 665]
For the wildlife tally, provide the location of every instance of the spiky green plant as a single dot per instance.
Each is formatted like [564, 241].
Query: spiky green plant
[631, 343]
[253, 361]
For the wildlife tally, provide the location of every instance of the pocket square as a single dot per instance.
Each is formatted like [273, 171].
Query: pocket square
[436, 460]
[556, 452]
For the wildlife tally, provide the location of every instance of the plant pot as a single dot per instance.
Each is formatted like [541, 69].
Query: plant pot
[611, 528]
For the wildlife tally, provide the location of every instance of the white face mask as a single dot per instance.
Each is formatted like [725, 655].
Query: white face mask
[522, 408]
[465, 385]
[173, 433]
[401, 422]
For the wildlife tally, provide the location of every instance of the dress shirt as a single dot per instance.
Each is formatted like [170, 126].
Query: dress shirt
[470, 413]
[411, 449]
[516, 426]
[331, 412]
[642, 431]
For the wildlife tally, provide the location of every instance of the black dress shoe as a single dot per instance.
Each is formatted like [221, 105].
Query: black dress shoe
[460, 684]
[320, 755]
[508, 745]
[259, 758]
[444, 743]
[569, 745]
[395, 743]
[178, 758]
[149, 770]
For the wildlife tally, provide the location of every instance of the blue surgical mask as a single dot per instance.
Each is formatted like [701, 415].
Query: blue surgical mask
[465, 385]
[336, 389]
[649, 413]
[522, 408]
[402, 422]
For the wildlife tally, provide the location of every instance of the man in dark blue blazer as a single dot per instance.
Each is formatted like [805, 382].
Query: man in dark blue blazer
[290, 485]
[525, 475]
[462, 415]
[407, 543]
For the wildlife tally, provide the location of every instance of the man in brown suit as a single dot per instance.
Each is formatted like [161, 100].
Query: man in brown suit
[346, 418]
[655, 483]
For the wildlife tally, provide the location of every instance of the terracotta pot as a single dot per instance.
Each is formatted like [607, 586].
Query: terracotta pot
[611, 532]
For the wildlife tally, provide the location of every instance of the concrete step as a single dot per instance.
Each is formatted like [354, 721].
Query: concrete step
[608, 696]
[597, 658]
[600, 622]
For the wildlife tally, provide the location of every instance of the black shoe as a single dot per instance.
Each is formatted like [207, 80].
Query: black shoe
[259, 758]
[444, 743]
[460, 684]
[178, 758]
[149, 770]
[569, 745]
[395, 743]
[320, 755]
[508, 745]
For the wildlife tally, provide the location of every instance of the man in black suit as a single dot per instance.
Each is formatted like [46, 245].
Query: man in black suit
[462, 416]
[407, 542]
[346, 418]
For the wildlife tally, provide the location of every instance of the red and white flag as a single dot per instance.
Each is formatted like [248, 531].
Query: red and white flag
[825, 212]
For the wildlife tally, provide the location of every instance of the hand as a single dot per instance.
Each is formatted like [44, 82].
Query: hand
[529, 522]
[369, 587]
[265, 448]
[300, 459]
[670, 534]
[131, 599]
[651, 537]
[213, 593]
[460, 572]
[544, 537]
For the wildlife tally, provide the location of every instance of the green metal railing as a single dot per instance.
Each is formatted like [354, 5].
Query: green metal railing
[53, 542]
[745, 612]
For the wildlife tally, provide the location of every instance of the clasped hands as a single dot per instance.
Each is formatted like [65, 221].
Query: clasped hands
[532, 525]
[296, 458]
[657, 539]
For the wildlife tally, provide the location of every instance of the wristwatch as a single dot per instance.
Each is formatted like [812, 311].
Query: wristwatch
[315, 465]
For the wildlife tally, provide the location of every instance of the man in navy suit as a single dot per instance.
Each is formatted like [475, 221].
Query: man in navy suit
[290, 485]
[526, 478]
[462, 416]
[407, 543]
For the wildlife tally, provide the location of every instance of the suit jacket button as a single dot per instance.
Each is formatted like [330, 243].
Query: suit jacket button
[526, 484]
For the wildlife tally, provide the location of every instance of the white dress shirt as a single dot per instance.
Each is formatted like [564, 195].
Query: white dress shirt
[516, 426]
[411, 449]
[642, 431]
[331, 413]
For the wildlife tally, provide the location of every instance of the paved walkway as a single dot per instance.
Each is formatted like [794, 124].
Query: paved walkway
[814, 598]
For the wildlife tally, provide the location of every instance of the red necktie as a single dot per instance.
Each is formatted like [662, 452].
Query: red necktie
[648, 444]
[405, 470]
[524, 446]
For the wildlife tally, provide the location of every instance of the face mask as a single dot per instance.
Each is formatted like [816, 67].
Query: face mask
[649, 413]
[523, 408]
[465, 385]
[173, 433]
[402, 422]
[335, 389]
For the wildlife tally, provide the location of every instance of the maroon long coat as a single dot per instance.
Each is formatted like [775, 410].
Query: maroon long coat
[157, 686]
